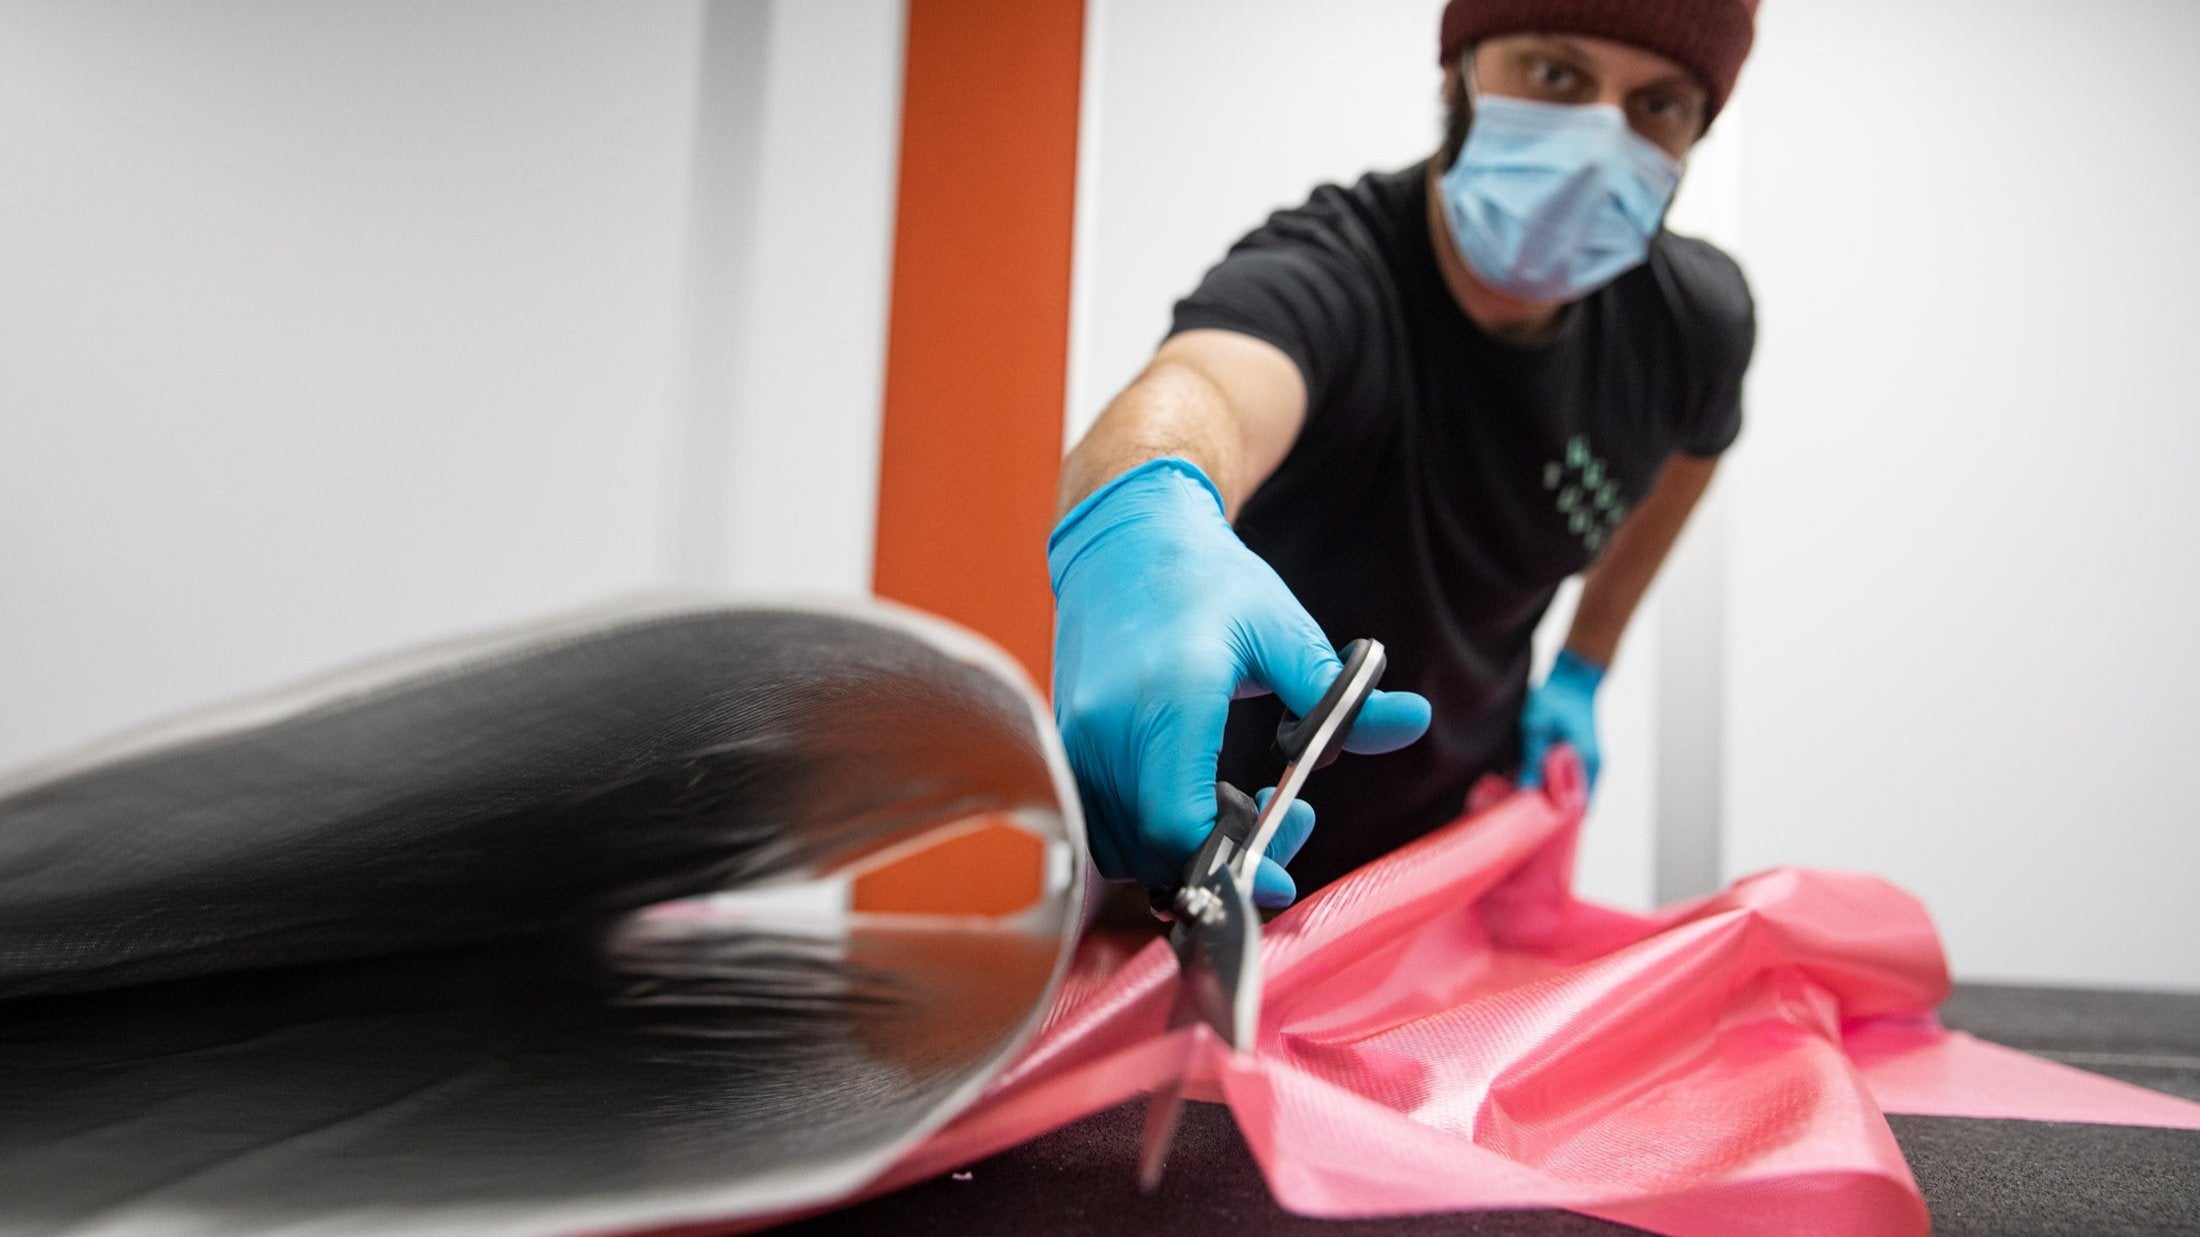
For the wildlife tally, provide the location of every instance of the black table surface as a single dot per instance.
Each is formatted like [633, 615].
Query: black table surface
[1983, 1177]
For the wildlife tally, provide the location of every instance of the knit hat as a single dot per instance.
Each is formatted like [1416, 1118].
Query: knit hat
[1709, 38]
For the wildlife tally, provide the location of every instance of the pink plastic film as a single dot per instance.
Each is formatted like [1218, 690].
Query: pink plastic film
[1449, 1028]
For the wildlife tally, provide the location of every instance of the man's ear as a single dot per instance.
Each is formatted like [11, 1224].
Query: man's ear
[1457, 116]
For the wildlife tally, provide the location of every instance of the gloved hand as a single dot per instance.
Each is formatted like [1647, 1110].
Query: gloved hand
[1162, 616]
[1562, 710]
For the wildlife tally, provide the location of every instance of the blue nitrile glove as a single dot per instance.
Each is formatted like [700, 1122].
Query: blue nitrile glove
[1162, 616]
[1563, 710]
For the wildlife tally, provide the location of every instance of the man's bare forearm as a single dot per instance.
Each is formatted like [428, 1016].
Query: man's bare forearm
[1614, 586]
[1229, 404]
[1171, 410]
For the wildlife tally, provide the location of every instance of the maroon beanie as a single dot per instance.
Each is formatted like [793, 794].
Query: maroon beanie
[1709, 38]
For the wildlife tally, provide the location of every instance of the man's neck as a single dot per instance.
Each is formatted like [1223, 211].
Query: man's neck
[1502, 316]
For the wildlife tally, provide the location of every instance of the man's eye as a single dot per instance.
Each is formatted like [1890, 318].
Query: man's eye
[1664, 118]
[1551, 75]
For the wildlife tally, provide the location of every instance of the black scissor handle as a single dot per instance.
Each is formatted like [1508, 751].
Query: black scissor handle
[1235, 816]
[1293, 734]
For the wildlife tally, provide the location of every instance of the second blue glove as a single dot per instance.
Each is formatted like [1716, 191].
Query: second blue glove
[1562, 710]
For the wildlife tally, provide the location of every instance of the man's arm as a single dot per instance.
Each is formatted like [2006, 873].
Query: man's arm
[1162, 614]
[1229, 403]
[1563, 709]
[1615, 584]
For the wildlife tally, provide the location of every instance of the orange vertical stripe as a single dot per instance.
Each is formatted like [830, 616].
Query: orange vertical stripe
[978, 329]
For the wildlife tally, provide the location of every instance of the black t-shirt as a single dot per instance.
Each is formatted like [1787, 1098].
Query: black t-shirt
[1445, 483]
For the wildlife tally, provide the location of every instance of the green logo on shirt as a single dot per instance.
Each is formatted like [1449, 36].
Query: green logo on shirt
[1586, 493]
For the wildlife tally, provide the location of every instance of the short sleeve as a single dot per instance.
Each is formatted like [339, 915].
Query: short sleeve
[1289, 283]
[1721, 324]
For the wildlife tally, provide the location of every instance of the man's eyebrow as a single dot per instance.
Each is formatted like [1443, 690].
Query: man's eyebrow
[1568, 48]
[1678, 81]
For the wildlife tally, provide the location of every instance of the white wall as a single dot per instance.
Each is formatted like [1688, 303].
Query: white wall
[792, 256]
[1962, 571]
[322, 327]
[327, 327]
[1198, 120]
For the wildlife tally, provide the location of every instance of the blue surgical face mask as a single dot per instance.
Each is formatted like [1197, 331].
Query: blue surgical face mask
[1552, 201]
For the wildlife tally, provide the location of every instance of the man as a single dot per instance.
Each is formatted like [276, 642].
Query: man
[1424, 402]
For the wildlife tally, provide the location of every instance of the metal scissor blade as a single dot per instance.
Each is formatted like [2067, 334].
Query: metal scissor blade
[1217, 932]
[1218, 955]
[1162, 1113]
[1167, 1103]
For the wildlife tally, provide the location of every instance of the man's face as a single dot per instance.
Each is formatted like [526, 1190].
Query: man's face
[1661, 101]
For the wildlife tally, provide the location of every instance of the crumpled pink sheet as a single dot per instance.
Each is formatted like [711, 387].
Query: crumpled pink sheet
[1450, 1028]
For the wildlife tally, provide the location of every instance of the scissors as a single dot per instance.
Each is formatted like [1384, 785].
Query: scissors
[1215, 930]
